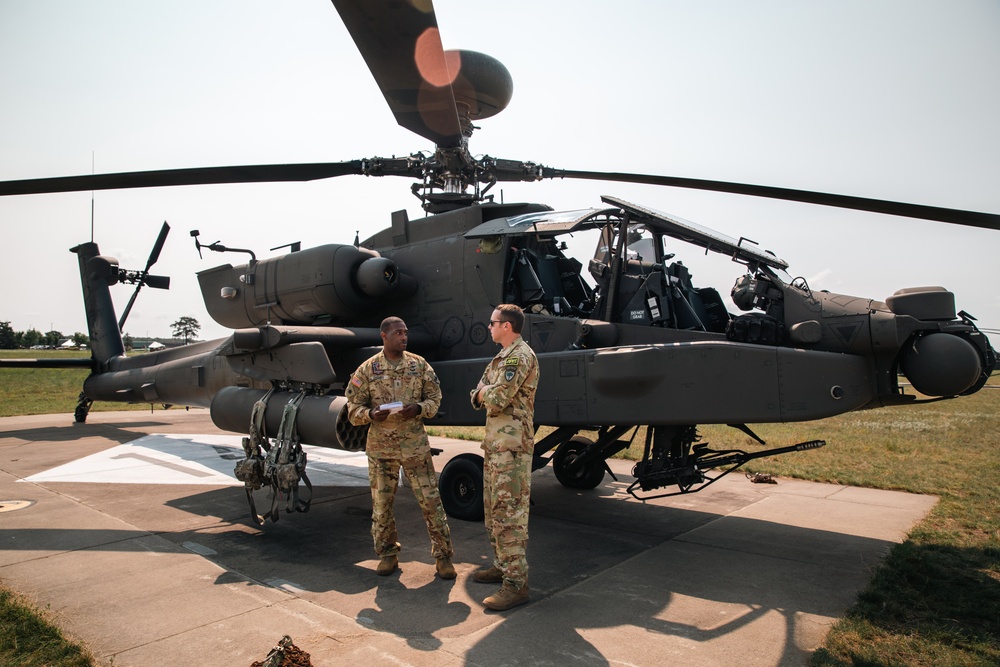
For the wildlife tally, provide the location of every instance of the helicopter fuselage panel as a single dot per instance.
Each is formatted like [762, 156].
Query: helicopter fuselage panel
[678, 383]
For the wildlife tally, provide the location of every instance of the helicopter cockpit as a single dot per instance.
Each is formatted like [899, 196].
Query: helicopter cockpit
[541, 276]
[629, 278]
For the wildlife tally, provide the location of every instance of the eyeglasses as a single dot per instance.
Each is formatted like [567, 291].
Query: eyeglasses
[493, 322]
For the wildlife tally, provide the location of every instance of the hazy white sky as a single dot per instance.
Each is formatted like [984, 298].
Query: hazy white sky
[892, 99]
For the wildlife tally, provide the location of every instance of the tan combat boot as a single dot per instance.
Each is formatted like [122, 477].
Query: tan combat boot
[490, 576]
[507, 597]
[445, 569]
[387, 566]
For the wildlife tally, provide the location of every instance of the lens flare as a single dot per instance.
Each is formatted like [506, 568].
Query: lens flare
[435, 66]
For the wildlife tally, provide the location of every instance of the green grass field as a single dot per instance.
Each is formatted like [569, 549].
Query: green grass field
[39, 391]
[934, 602]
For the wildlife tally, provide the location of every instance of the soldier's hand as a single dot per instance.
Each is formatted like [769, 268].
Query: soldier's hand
[378, 415]
[479, 390]
[410, 411]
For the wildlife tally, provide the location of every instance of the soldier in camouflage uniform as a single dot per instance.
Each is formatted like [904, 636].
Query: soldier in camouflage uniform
[507, 393]
[396, 438]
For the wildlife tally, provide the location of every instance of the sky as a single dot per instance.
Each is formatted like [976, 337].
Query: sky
[890, 99]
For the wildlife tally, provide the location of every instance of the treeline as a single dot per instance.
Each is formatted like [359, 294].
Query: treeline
[185, 328]
[13, 340]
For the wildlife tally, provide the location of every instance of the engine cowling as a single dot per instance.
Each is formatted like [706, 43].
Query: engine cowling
[323, 285]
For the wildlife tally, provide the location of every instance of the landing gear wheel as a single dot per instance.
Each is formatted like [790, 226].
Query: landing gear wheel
[461, 487]
[588, 477]
[83, 404]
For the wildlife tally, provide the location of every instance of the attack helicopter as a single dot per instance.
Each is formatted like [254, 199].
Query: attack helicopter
[625, 338]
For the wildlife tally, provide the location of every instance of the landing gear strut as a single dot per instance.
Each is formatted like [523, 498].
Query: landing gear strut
[672, 457]
[83, 404]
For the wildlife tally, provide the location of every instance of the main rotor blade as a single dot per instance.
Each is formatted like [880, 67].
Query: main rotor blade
[952, 215]
[402, 47]
[262, 173]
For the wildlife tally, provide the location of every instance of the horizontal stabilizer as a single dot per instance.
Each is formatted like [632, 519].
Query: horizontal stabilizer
[298, 362]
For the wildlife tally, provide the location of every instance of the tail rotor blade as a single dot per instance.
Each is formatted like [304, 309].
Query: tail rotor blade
[154, 255]
[128, 308]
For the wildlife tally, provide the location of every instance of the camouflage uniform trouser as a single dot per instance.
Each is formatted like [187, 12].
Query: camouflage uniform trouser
[506, 498]
[383, 474]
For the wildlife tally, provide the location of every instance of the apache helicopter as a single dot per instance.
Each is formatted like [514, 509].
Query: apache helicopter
[625, 341]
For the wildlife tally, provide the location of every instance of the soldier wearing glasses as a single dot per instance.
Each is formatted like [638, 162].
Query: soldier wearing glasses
[507, 393]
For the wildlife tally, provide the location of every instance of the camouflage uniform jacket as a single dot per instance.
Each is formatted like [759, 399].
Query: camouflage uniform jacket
[377, 382]
[510, 401]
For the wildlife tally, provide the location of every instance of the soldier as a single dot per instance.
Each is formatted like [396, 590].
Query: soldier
[397, 438]
[507, 393]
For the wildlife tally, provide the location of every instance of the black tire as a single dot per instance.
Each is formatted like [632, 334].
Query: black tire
[82, 408]
[461, 487]
[587, 478]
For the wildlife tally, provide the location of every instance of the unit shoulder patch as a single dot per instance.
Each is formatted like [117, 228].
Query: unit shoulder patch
[512, 361]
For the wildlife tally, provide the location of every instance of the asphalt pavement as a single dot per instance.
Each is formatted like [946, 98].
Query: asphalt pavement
[132, 532]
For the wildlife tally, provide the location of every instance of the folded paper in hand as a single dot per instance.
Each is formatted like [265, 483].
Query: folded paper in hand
[392, 407]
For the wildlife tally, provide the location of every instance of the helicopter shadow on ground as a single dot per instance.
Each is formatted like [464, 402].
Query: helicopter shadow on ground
[670, 570]
[73, 431]
[322, 554]
[312, 551]
[598, 564]
[29, 449]
[693, 577]
[326, 555]
[71, 440]
[693, 614]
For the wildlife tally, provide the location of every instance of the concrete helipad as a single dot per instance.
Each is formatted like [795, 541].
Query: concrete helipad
[131, 530]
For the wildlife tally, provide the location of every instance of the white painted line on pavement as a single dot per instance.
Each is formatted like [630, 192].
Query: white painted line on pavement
[196, 459]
